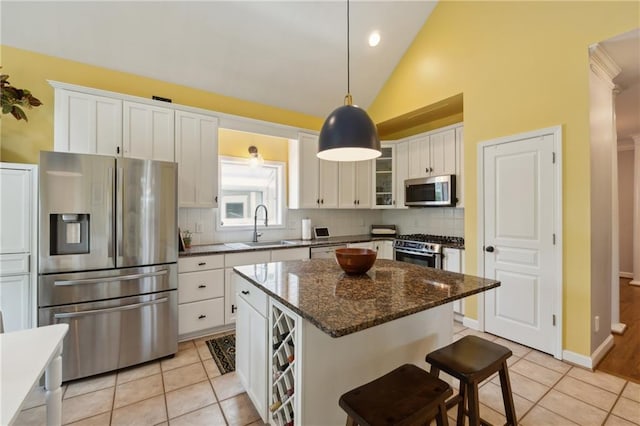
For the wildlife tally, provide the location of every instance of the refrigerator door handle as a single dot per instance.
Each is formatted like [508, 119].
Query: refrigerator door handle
[110, 279]
[110, 207]
[115, 309]
[119, 215]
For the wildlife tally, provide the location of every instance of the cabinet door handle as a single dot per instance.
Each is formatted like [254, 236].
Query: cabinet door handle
[234, 308]
[117, 150]
[202, 316]
[202, 263]
[202, 286]
[489, 249]
[354, 202]
[245, 292]
[322, 201]
[318, 201]
[216, 198]
[358, 202]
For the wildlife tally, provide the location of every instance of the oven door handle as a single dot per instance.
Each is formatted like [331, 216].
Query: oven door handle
[111, 279]
[417, 253]
[107, 310]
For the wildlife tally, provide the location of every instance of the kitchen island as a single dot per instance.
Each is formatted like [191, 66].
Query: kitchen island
[307, 332]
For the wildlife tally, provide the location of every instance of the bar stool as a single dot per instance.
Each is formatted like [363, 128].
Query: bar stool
[471, 360]
[406, 396]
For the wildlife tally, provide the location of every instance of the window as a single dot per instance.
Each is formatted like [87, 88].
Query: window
[243, 187]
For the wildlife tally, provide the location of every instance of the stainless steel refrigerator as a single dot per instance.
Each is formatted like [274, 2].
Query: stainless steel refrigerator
[107, 259]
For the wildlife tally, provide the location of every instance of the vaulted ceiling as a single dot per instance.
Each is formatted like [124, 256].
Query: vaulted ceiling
[288, 54]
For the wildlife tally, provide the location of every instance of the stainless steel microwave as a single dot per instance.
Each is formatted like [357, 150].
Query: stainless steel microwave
[433, 191]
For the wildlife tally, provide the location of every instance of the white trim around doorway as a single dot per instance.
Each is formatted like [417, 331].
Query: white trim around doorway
[556, 131]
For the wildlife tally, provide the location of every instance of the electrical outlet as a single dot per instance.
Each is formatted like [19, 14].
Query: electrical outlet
[199, 227]
[596, 324]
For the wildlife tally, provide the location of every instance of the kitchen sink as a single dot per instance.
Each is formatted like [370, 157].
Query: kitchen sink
[260, 244]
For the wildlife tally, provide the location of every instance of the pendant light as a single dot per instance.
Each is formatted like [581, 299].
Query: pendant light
[348, 134]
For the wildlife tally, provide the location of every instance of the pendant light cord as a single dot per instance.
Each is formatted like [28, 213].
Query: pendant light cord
[348, 54]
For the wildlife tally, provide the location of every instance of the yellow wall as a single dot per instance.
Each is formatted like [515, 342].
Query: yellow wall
[521, 66]
[21, 142]
[234, 143]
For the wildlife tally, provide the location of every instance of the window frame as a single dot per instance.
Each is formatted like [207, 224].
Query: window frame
[281, 189]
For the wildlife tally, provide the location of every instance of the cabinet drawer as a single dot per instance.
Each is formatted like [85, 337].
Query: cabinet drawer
[201, 285]
[200, 263]
[297, 253]
[255, 297]
[249, 258]
[196, 316]
[11, 264]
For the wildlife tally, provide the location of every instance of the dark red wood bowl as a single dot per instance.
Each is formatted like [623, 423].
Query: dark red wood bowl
[355, 261]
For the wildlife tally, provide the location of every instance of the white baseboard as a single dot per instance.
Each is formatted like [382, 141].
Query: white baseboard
[594, 359]
[618, 328]
[626, 274]
[471, 323]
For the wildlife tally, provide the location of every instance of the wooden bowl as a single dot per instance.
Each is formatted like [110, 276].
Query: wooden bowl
[355, 261]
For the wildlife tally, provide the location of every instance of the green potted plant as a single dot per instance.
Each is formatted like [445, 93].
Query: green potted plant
[14, 99]
[186, 238]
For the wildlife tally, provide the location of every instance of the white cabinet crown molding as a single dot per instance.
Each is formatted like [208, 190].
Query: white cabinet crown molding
[227, 121]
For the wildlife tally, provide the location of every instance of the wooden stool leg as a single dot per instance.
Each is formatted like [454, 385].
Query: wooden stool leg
[441, 418]
[351, 422]
[474, 404]
[435, 371]
[507, 396]
[462, 403]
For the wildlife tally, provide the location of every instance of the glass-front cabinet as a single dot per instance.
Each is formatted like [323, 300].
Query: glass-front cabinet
[384, 178]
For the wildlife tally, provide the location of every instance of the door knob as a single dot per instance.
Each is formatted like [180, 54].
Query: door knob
[490, 249]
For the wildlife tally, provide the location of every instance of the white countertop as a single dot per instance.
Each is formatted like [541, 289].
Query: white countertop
[24, 355]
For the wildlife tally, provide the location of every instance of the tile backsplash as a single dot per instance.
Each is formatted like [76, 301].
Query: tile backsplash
[339, 222]
[437, 221]
[430, 220]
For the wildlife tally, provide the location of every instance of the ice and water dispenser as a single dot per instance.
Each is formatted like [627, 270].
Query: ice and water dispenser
[69, 233]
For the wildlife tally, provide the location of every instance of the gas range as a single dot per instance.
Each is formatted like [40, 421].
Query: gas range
[425, 243]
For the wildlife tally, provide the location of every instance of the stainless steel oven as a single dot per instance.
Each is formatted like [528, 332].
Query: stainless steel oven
[431, 260]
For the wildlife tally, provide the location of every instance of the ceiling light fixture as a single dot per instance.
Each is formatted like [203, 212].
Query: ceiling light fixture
[374, 39]
[348, 134]
[255, 159]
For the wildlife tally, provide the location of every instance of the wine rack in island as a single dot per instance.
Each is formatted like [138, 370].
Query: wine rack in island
[283, 365]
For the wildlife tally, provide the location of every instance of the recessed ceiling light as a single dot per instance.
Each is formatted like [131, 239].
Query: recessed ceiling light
[374, 39]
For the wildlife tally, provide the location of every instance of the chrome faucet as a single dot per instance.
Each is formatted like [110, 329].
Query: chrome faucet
[256, 234]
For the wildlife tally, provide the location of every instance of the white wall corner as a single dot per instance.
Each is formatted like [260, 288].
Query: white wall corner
[586, 361]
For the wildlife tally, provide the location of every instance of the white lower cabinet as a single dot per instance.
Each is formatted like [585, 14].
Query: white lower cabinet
[251, 343]
[15, 302]
[452, 261]
[384, 249]
[200, 294]
[298, 253]
[367, 245]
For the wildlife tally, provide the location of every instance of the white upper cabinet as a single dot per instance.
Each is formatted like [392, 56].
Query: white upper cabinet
[354, 189]
[401, 172]
[433, 154]
[313, 182]
[148, 131]
[384, 178]
[196, 137]
[87, 124]
[460, 165]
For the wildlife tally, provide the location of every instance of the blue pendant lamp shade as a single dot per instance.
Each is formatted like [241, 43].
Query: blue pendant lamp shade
[348, 134]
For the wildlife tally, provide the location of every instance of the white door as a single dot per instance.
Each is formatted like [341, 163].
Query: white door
[519, 226]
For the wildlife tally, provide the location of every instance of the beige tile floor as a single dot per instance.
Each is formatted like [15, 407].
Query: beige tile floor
[189, 390]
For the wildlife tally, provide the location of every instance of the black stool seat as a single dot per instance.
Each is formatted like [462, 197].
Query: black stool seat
[407, 395]
[471, 360]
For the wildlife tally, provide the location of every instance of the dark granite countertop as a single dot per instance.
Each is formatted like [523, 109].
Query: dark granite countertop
[221, 248]
[339, 304]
